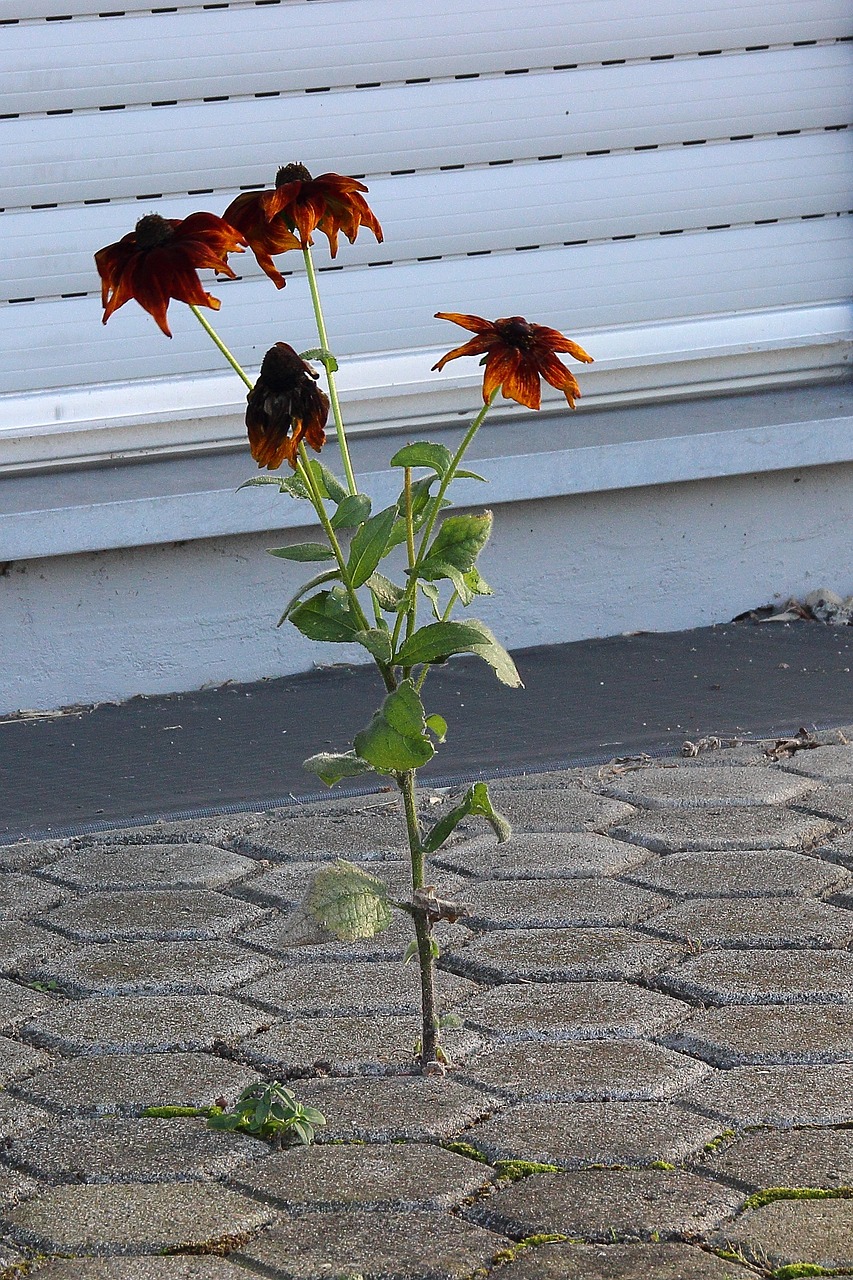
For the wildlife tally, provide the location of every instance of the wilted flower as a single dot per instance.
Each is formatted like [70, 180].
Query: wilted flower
[285, 399]
[517, 354]
[300, 204]
[160, 259]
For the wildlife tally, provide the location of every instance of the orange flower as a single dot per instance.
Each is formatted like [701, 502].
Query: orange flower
[517, 354]
[300, 204]
[285, 399]
[160, 259]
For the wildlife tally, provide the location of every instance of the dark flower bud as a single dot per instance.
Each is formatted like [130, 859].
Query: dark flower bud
[284, 407]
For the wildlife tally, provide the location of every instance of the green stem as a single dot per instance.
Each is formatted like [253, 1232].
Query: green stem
[425, 669]
[412, 614]
[330, 377]
[429, 1004]
[217, 342]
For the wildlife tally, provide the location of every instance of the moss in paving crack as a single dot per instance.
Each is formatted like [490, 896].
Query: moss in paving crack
[770, 1194]
[798, 1269]
[464, 1149]
[515, 1170]
[721, 1140]
[180, 1113]
[662, 1164]
[513, 1251]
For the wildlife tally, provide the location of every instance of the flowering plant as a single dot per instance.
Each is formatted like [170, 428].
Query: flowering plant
[350, 600]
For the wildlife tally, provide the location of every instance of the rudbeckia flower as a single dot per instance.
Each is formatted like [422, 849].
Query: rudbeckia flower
[300, 204]
[517, 354]
[160, 260]
[285, 399]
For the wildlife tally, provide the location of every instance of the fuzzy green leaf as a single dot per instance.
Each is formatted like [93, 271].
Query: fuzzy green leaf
[396, 738]
[326, 481]
[458, 543]
[493, 652]
[325, 616]
[470, 475]
[376, 641]
[385, 592]
[431, 593]
[438, 641]
[352, 512]
[348, 902]
[286, 484]
[369, 545]
[424, 454]
[331, 766]
[322, 355]
[303, 551]
[437, 725]
[329, 576]
[476, 801]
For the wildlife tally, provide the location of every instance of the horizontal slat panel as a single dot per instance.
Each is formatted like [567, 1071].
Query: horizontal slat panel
[621, 283]
[593, 197]
[238, 51]
[172, 150]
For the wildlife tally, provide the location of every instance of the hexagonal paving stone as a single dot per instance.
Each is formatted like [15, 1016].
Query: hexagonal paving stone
[573, 1011]
[349, 990]
[561, 955]
[25, 854]
[347, 1046]
[26, 896]
[750, 873]
[602, 1203]
[171, 915]
[154, 866]
[762, 922]
[546, 904]
[16, 1186]
[286, 884]
[764, 977]
[559, 809]
[218, 830]
[126, 1085]
[411, 1246]
[749, 1035]
[135, 1218]
[669, 831]
[143, 1268]
[18, 1117]
[387, 1178]
[833, 802]
[176, 1150]
[785, 1232]
[576, 1134]
[18, 1059]
[780, 1096]
[541, 856]
[555, 1260]
[18, 1003]
[797, 1158]
[685, 786]
[368, 830]
[21, 944]
[144, 1024]
[831, 763]
[585, 1071]
[151, 968]
[385, 1108]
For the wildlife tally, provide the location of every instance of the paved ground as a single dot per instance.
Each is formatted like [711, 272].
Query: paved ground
[655, 988]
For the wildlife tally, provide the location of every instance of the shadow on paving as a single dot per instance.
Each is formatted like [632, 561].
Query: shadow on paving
[585, 701]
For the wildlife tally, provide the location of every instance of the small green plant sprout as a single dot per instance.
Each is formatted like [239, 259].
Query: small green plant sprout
[270, 1111]
[351, 599]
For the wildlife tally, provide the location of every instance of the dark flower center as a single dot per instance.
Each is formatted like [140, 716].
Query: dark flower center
[282, 369]
[292, 173]
[152, 231]
[515, 331]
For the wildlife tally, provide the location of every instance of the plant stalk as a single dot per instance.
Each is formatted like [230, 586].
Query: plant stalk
[217, 342]
[423, 933]
[330, 377]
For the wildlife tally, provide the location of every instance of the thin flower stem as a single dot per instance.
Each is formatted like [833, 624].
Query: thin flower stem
[425, 669]
[330, 377]
[429, 1005]
[217, 342]
[412, 614]
[448, 477]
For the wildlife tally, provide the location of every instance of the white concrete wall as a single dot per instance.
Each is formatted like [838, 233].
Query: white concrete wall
[105, 626]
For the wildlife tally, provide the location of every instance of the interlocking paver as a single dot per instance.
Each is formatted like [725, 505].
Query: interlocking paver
[296, 835]
[150, 968]
[780, 1096]
[744, 1035]
[562, 809]
[411, 1246]
[574, 1134]
[281, 938]
[25, 854]
[561, 955]
[127, 1084]
[154, 866]
[570, 1011]
[555, 1260]
[146, 1150]
[21, 944]
[17, 1003]
[15, 1186]
[755, 922]
[144, 1268]
[544, 904]
[830, 763]
[749, 873]
[834, 803]
[139, 1218]
[786, 1232]
[677, 831]
[216, 831]
[25, 896]
[689, 787]
[388, 1177]
[307, 988]
[144, 1024]
[18, 1059]
[387, 1108]
[584, 1071]
[603, 1204]
[538, 856]
[792, 1158]
[347, 1046]
[764, 977]
[169, 915]
[18, 1117]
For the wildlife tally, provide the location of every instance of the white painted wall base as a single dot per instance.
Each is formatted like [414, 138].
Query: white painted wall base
[104, 626]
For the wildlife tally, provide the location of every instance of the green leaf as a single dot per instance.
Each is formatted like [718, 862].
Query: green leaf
[470, 475]
[396, 738]
[325, 616]
[348, 902]
[424, 454]
[326, 481]
[493, 652]
[411, 951]
[437, 725]
[377, 642]
[437, 641]
[477, 584]
[386, 593]
[329, 576]
[458, 543]
[369, 545]
[476, 801]
[352, 512]
[303, 551]
[331, 766]
[320, 353]
[286, 484]
[431, 593]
